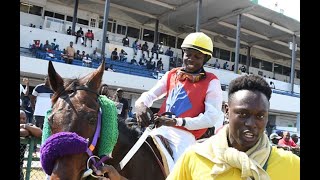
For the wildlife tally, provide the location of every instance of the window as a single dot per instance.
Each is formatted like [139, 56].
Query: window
[83, 21]
[243, 59]
[167, 40]
[36, 10]
[121, 29]
[255, 62]
[49, 13]
[298, 74]
[59, 16]
[92, 22]
[69, 18]
[148, 35]
[224, 54]
[216, 52]
[179, 43]
[286, 71]
[133, 32]
[266, 66]
[111, 24]
[277, 68]
[24, 7]
[31, 9]
[80, 21]
[233, 57]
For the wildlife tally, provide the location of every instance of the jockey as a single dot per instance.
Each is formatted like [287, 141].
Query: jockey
[193, 98]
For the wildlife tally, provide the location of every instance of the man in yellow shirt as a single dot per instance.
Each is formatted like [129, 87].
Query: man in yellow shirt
[241, 149]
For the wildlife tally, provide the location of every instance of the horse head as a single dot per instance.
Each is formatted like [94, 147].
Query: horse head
[75, 108]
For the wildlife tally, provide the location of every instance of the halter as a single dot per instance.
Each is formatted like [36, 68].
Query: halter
[96, 136]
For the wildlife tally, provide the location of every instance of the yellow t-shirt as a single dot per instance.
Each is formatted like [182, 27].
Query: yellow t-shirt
[192, 166]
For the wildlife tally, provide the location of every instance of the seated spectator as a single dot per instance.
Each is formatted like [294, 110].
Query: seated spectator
[95, 57]
[89, 35]
[86, 61]
[107, 39]
[26, 130]
[79, 34]
[225, 65]
[135, 46]
[134, 61]
[272, 86]
[145, 48]
[125, 41]
[216, 64]
[151, 64]
[47, 47]
[35, 46]
[78, 55]
[70, 51]
[55, 45]
[122, 55]
[169, 52]
[114, 54]
[83, 54]
[142, 60]
[154, 49]
[160, 48]
[160, 65]
[69, 30]
[243, 69]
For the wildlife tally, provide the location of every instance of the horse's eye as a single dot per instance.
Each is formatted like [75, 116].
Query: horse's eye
[92, 120]
[50, 118]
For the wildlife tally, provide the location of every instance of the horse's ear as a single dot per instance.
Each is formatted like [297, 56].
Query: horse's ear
[94, 80]
[55, 79]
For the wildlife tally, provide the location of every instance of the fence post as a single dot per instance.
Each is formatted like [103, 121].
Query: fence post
[31, 149]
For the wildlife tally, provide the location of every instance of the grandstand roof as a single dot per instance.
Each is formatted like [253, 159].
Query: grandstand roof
[262, 28]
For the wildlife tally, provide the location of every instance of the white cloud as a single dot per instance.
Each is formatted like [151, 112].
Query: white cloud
[291, 8]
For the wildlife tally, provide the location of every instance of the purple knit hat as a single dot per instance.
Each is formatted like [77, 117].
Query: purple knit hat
[58, 145]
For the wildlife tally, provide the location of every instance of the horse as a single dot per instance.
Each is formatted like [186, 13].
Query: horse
[75, 109]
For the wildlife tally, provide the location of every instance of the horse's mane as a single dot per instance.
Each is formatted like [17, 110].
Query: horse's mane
[132, 133]
[68, 87]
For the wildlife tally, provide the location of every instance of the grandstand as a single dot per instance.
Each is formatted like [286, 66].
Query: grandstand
[264, 40]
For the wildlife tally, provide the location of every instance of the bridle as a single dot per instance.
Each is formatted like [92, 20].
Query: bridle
[96, 136]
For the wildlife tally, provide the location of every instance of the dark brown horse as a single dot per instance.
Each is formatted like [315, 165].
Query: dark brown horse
[76, 110]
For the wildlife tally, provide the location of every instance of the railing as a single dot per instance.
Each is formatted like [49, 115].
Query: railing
[287, 93]
[31, 169]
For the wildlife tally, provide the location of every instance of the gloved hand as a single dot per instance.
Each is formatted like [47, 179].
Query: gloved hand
[164, 121]
[144, 115]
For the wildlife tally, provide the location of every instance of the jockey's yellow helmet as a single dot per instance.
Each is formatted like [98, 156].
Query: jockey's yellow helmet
[199, 41]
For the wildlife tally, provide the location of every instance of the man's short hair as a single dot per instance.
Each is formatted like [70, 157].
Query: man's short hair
[249, 82]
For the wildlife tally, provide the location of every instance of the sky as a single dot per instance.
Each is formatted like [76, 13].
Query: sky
[291, 7]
